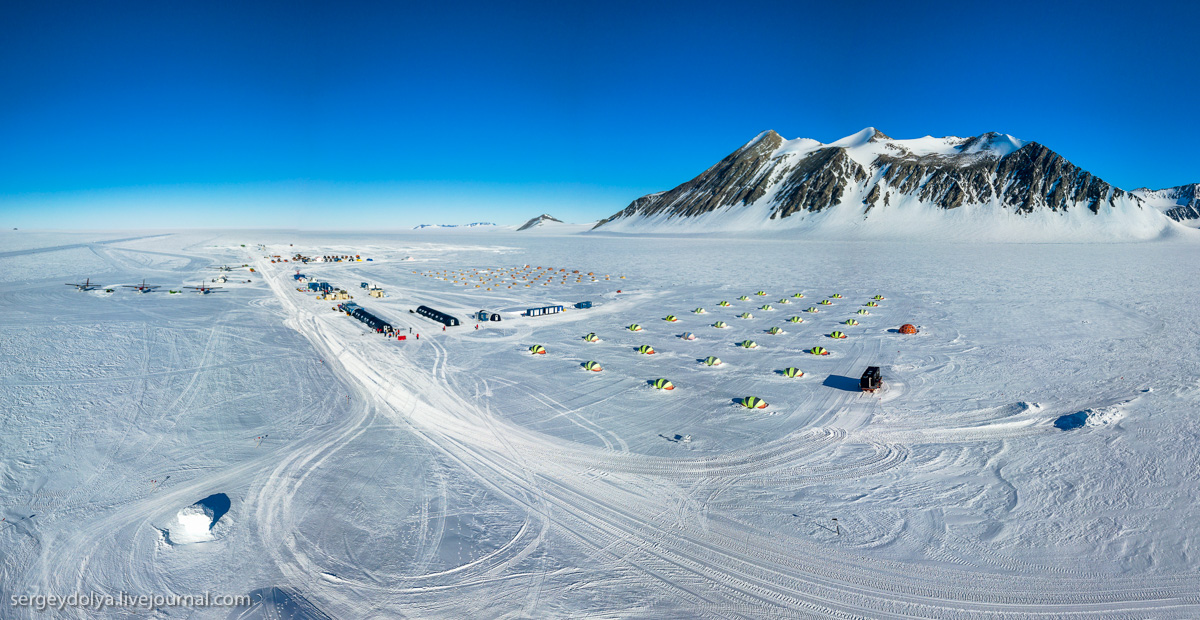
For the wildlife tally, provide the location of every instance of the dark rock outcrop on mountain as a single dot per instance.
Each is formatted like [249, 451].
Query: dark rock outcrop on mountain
[817, 182]
[870, 171]
[538, 221]
[1184, 213]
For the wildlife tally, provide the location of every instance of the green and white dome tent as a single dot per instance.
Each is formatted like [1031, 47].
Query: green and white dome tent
[798, 295]
[826, 302]
[818, 351]
[784, 301]
[749, 344]
[591, 337]
[871, 304]
[761, 293]
[663, 384]
[720, 325]
[712, 361]
[838, 335]
[745, 315]
[796, 319]
[850, 322]
[792, 371]
[670, 318]
[743, 298]
[811, 309]
[688, 336]
[863, 311]
[723, 303]
[634, 328]
[766, 307]
[593, 366]
[699, 311]
[537, 349]
[775, 331]
[878, 298]
[753, 402]
[646, 349]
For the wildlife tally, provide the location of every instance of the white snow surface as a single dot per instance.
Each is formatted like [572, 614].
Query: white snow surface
[459, 476]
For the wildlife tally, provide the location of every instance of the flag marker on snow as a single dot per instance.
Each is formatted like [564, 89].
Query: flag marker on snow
[258, 440]
[5, 523]
[155, 483]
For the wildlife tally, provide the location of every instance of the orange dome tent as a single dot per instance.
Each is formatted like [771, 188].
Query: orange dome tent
[908, 328]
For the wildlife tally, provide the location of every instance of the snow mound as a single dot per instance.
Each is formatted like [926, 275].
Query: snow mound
[198, 522]
[1104, 416]
[1091, 418]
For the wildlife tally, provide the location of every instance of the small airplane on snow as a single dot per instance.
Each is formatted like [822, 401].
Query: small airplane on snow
[86, 286]
[142, 288]
[224, 268]
[202, 289]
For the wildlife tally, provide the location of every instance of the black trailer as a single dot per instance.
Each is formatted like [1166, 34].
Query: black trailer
[583, 305]
[870, 380]
[543, 310]
[437, 315]
[368, 319]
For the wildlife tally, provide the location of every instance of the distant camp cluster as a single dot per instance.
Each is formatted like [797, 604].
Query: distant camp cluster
[521, 277]
[870, 380]
[327, 258]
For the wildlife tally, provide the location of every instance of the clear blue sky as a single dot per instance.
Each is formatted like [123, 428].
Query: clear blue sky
[360, 114]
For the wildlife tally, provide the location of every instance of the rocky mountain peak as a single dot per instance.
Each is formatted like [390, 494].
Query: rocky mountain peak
[868, 171]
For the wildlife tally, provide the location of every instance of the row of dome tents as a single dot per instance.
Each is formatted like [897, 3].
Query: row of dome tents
[494, 279]
[752, 402]
[774, 330]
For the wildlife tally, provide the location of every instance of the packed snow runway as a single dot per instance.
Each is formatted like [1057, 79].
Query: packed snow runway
[1032, 453]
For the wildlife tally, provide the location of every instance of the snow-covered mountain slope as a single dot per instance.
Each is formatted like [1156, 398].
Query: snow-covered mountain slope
[992, 186]
[1181, 203]
[540, 221]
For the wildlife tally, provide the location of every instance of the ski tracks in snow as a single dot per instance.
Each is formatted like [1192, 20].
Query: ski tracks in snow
[640, 515]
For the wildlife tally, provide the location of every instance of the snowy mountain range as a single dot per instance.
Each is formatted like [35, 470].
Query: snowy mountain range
[1181, 203]
[868, 177]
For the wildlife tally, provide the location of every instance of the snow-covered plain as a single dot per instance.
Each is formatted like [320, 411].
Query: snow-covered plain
[459, 476]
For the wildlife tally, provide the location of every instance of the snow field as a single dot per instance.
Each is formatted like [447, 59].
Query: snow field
[465, 477]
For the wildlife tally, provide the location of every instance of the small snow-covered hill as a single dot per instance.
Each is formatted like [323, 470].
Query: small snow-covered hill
[550, 225]
[539, 221]
[991, 185]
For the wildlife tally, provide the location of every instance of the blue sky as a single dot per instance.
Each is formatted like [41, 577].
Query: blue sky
[362, 115]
